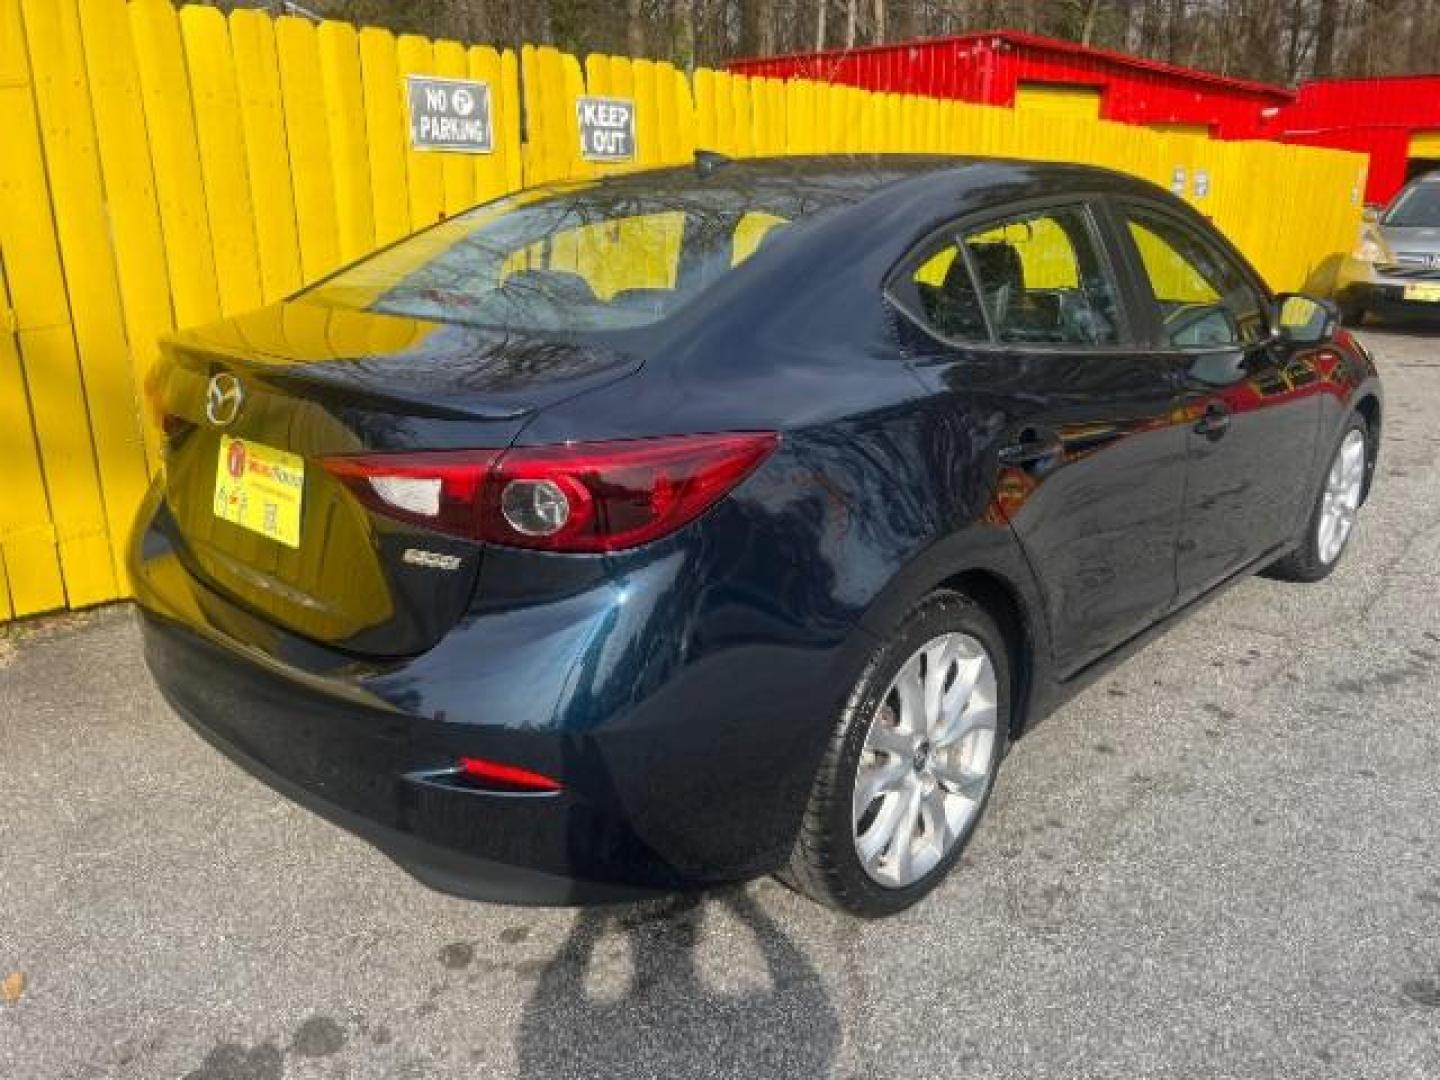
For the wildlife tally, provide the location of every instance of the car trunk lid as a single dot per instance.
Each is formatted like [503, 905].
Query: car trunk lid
[253, 408]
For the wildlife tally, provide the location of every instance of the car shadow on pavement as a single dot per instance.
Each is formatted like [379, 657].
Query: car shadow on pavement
[590, 1017]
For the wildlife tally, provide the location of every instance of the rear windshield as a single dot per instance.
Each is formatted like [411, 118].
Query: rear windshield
[599, 256]
[1416, 206]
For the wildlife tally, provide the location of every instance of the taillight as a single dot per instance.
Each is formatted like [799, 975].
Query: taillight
[439, 489]
[169, 425]
[613, 495]
[578, 497]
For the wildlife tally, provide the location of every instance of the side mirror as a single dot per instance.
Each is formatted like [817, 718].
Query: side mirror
[1305, 320]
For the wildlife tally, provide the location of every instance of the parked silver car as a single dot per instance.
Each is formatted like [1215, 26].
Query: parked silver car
[1396, 266]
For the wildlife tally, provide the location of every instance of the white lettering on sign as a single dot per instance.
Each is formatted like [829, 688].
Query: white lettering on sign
[607, 128]
[449, 114]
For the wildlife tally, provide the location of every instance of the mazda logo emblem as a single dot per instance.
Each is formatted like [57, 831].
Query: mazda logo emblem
[223, 398]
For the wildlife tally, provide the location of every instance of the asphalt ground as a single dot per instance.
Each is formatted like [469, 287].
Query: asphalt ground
[1221, 861]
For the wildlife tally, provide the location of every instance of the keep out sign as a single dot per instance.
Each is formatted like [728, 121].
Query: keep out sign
[607, 128]
[449, 114]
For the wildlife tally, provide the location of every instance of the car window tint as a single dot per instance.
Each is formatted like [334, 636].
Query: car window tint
[946, 295]
[606, 255]
[1418, 206]
[1205, 300]
[609, 257]
[1042, 281]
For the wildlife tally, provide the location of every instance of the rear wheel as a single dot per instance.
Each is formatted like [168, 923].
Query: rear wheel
[1327, 534]
[910, 764]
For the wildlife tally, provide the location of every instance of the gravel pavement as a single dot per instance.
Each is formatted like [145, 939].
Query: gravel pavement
[1223, 860]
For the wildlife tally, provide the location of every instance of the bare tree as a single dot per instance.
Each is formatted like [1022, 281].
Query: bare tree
[634, 28]
[1273, 40]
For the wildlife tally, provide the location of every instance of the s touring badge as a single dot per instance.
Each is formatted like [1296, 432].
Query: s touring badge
[432, 559]
[223, 398]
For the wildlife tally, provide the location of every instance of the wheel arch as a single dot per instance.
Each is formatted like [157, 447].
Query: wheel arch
[986, 564]
[1368, 407]
[1002, 601]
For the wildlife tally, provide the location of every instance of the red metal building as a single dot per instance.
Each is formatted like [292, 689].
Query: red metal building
[1395, 120]
[1005, 67]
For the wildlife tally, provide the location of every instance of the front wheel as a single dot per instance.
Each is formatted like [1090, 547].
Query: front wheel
[1332, 521]
[910, 763]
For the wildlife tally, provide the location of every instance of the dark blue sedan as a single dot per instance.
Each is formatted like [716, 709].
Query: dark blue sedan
[671, 529]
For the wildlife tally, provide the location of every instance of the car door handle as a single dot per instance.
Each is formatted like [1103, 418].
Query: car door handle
[1032, 447]
[1215, 422]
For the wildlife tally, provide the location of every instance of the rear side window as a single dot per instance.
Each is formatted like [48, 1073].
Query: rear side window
[1042, 281]
[1033, 279]
[946, 296]
[1205, 299]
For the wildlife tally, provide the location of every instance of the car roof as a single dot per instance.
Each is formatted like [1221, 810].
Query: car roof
[975, 181]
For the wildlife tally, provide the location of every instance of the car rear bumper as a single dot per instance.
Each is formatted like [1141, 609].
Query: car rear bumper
[351, 767]
[652, 738]
[296, 744]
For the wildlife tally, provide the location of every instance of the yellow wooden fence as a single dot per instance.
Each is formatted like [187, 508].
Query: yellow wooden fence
[164, 167]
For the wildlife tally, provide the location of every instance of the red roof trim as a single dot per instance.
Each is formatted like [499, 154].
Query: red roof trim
[1042, 44]
[1359, 80]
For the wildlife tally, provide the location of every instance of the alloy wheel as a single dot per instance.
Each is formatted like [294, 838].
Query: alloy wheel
[927, 762]
[1341, 498]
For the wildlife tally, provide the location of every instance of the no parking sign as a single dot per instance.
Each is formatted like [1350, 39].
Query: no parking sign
[449, 114]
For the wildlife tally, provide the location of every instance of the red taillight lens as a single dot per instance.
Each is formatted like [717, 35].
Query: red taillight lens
[617, 494]
[506, 777]
[169, 425]
[440, 489]
[579, 497]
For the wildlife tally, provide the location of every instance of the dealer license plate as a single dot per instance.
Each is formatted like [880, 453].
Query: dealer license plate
[259, 488]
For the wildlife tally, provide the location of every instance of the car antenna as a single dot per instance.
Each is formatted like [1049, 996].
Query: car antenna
[707, 161]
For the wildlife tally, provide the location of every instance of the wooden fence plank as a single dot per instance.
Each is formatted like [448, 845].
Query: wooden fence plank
[27, 538]
[179, 187]
[133, 211]
[308, 136]
[490, 169]
[349, 151]
[572, 88]
[424, 170]
[267, 153]
[508, 127]
[386, 133]
[620, 80]
[648, 147]
[223, 163]
[458, 169]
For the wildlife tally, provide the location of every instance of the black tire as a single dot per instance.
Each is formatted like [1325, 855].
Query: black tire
[824, 864]
[1304, 564]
